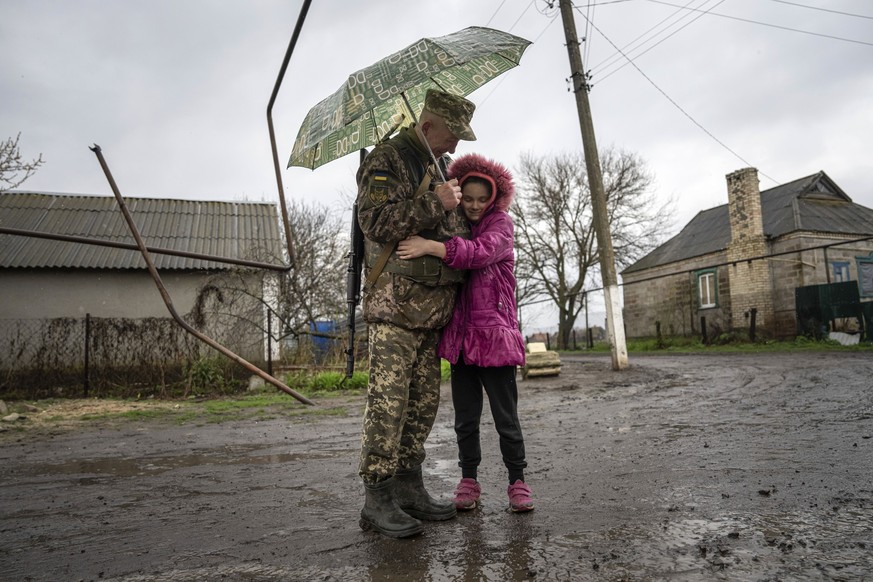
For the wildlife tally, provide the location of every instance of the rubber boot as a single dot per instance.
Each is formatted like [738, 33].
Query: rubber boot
[414, 499]
[382, 514]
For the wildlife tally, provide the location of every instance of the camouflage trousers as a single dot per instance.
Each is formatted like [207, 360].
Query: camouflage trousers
[402, 399]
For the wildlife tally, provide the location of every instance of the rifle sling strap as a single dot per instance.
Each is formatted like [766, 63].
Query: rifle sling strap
[382, 260]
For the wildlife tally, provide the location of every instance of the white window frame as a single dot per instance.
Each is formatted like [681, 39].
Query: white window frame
[841, 271]
[865, 275]
[707, 289]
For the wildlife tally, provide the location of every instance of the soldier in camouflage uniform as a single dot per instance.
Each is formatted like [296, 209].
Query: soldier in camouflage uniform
[405, 307]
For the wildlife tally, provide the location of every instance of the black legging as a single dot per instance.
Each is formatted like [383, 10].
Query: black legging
[499, 384]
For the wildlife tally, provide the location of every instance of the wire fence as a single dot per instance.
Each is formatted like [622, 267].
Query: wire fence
[151, 357]
[679, 315]
[93, 356]
[539, 320]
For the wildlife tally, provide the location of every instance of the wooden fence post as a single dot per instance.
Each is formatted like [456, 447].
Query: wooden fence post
[86, 384]
[269, 341]
[754, 316]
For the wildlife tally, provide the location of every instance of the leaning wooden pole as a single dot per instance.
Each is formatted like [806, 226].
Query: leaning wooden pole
[614, 319]
[168, 301]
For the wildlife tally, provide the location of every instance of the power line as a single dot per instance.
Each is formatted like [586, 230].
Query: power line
[495, 13]
[517, 20]
[768, 24]
[495, 86]
[696, 269]
[616, 56]
[520, 15]
[587, 37]
[551, 22]
[549, 9]
[676, 105]
[823, 9]
[608, 62]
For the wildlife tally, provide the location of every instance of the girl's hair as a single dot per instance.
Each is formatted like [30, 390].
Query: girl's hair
[494, 174]
[476, 179]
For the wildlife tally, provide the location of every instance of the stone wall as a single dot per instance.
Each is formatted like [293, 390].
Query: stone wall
[809, 267]
[672, 299]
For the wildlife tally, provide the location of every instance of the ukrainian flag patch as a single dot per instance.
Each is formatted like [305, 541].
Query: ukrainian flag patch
[379, 190]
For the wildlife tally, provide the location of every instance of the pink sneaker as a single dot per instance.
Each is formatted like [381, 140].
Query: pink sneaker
[467, 494]
[519, 497]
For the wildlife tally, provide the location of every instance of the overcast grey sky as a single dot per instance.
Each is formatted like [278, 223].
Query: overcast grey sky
[176, 91]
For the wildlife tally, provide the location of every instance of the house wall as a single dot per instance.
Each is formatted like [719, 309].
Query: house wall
[49, 294]
[810, 267]
[789, 272]
[766, 286]
[667, 299]
[36, 296]
[668, 294]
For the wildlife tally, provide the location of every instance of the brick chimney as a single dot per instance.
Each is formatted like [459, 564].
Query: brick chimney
[744, 203]
[750, 282]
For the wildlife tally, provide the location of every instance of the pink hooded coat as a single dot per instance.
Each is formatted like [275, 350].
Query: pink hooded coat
[484, 323]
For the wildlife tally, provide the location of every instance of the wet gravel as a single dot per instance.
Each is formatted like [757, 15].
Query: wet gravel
[682, 467]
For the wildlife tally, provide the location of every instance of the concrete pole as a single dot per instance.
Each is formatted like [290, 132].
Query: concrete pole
[614, 319]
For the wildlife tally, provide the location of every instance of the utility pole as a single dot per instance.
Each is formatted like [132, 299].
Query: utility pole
[614, 319]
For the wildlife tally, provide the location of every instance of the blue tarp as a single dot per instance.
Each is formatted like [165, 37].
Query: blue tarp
[323, 345]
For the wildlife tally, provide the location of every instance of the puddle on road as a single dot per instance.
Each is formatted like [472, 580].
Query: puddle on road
[749, 547]
[741, 546]
[797, 546]
[134, 467]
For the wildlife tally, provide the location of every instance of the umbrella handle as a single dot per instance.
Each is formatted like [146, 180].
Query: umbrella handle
[424, 139]
[433, 157]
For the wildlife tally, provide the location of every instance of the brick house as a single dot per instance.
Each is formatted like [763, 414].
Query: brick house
[744, 260]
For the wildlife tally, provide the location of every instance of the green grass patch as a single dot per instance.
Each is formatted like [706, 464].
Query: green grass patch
[137, 414]
[145, 414]
[328, 381]
[248, 402]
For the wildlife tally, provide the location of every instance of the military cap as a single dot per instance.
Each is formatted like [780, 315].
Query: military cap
[454, 109]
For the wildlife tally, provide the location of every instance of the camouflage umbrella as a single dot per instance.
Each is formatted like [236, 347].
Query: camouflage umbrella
[389, 94]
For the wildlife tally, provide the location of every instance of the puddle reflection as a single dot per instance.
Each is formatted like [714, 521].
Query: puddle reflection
[136, 467]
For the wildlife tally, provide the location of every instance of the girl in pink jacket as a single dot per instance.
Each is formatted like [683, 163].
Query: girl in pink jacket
[482, 341]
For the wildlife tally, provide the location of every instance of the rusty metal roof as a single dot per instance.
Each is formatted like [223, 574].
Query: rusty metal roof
[235, 230]
[810, 204]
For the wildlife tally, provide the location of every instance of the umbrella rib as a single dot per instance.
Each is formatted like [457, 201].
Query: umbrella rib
[437, 83]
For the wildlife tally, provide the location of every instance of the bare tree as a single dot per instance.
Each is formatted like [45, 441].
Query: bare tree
[556, 247]
[13, 170]
[315, 288]
[234, 302]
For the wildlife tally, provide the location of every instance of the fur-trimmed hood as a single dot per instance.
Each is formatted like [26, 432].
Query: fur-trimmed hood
[474, 164]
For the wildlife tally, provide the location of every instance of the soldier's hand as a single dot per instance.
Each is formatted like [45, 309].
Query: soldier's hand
[449, 194]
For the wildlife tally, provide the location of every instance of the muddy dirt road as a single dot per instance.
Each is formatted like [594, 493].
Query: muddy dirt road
[726, 467]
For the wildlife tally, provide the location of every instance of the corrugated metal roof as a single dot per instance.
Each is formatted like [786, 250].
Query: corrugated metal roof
[235, 230]
[812, 204]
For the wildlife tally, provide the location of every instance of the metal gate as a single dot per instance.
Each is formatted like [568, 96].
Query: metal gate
[817, 306]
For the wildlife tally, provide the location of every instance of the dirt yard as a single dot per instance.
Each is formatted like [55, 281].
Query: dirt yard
[723, 467]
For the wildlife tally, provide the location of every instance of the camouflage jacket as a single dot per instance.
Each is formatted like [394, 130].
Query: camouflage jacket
[413, 294]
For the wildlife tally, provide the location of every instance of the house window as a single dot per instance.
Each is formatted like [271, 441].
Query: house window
[865, 275]
[841, 271]
[707, 289]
